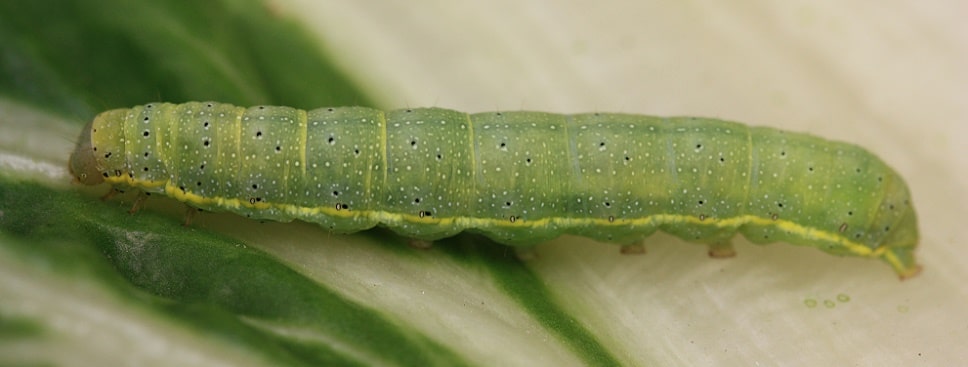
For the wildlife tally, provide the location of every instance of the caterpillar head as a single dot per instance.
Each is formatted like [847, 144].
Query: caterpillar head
[83, 166]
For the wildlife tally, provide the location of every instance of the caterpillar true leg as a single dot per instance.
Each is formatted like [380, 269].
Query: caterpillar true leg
[139, 202]
[110, 194]
[190, 214]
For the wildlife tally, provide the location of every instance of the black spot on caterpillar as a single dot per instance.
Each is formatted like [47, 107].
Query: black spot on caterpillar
[519, 178]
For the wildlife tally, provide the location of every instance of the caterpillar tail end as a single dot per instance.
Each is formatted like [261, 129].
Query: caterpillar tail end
[898, 249]
[911, 273]
[903, 262]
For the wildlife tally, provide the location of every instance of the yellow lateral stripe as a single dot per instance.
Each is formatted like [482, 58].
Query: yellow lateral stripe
[125, 180]
[472, 222]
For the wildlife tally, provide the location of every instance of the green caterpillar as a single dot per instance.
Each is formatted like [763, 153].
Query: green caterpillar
[519, 178]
